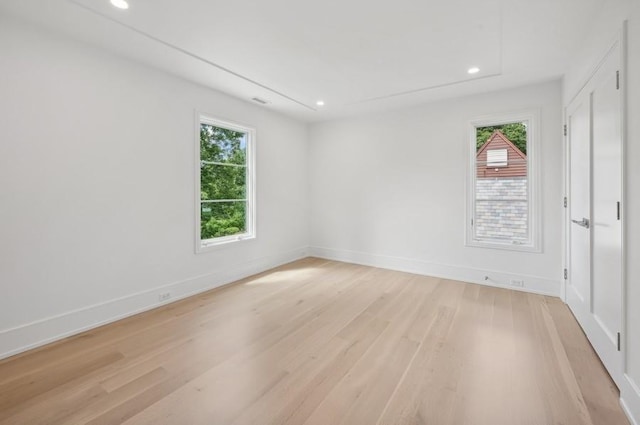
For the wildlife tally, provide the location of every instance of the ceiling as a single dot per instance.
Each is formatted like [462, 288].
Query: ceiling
[356, 55]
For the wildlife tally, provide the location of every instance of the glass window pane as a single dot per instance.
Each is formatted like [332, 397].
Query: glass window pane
[222, 182]
[222, 219]
[222, 145]
[501, 204]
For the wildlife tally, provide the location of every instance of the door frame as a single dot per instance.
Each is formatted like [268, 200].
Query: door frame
[620, 40]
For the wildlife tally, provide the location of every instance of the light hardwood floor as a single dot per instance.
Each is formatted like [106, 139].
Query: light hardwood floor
[327, 343]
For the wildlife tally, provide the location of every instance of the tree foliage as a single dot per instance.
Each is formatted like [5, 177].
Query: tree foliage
[516, 132]
[223, 176]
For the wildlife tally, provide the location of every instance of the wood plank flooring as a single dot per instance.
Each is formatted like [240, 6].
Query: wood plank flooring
[318, 342]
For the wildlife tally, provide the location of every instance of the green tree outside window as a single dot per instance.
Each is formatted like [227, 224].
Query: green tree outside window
[223, 182]
[516, 132]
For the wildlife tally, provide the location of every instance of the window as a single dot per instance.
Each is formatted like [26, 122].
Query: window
[502, 204]
[497, 158]
[225, 198]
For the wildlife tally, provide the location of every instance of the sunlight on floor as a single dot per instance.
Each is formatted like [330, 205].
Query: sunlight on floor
[285, 275]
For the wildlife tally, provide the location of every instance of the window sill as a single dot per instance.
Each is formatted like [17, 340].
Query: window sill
[504, 246]
[218, 243]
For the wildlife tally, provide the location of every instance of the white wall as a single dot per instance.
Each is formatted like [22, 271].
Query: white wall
[602, 34]
[97, 187]
[389, 190]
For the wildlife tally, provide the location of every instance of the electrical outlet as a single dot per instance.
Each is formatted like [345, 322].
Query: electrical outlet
[163, 296]
[516, 282]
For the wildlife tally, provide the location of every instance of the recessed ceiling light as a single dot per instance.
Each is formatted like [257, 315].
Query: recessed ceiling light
[320, 103]
[120, 4]
[473, 70]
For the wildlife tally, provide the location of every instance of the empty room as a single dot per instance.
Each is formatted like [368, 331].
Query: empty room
[348, 212]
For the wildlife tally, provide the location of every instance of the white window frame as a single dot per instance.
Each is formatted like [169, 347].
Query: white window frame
[214, 243]
[534, 244]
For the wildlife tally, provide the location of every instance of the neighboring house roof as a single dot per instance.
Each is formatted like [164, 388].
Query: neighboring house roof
[516, 162]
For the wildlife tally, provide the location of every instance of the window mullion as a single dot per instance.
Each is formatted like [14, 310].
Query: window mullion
[226, 164]
[209, 201]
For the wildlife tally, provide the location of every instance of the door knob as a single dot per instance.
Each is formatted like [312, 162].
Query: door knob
[584, 222]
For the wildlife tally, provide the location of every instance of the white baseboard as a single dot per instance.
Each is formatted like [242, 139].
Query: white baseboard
[630, 400]
[534, 284]
[25, 337]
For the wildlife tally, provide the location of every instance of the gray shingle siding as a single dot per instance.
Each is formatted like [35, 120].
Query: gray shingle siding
[501, 208]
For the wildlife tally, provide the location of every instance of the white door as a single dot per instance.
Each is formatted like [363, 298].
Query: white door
[594, 285]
